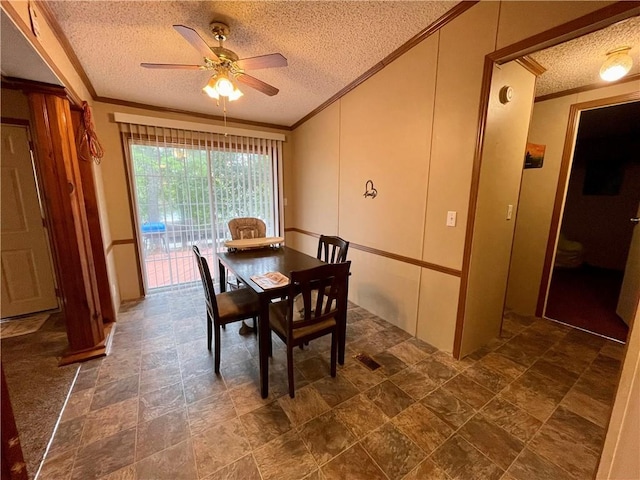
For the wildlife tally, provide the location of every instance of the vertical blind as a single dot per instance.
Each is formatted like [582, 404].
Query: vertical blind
[186, 186]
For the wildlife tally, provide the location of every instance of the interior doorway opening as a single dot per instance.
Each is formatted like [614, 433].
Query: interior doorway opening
[596, 233]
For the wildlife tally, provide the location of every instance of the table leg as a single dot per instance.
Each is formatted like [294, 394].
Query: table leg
[264, 333]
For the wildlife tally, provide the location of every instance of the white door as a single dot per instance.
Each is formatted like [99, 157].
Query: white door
[27, 277]
[630, 290]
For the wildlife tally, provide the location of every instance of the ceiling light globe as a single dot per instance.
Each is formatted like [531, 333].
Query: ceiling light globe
[224, 86]
[616, 66]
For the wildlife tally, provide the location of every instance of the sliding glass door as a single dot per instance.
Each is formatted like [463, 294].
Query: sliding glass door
[186, 192]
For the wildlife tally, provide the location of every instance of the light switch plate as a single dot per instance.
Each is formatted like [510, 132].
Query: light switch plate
[451, 218]
[509, 212]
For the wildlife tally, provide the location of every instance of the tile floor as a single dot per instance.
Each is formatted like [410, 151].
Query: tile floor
[534, 404]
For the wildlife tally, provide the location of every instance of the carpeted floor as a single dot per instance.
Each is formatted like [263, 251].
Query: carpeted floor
[586, 297]
[38, 388]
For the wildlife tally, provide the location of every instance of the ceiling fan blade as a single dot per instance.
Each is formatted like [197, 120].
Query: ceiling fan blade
[263, 61]
[196, 41]
[173, 66]
[259, 85]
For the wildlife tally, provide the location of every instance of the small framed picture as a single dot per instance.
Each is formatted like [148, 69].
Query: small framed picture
[534, 156]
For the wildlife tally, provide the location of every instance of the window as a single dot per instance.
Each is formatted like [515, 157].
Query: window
[186, 186]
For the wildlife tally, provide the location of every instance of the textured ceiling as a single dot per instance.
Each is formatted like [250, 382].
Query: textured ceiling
[328, 45]
[577, 62]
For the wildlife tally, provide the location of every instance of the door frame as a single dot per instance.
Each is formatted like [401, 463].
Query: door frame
[563, 184]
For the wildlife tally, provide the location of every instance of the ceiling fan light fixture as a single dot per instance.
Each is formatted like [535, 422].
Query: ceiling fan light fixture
[617, 64]
[221, 85]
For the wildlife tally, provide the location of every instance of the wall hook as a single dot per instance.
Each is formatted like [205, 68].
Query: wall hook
[369, 190]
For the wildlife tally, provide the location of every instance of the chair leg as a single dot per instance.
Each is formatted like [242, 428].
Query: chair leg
[209, 333]
[334, 353]
[217, 349]
[255, 325]
[290, 371]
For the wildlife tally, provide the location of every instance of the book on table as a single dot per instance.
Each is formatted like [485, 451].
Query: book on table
[271, 280]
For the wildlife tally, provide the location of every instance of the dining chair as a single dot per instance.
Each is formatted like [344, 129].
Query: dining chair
[321, 290]
[225, 307]
[332, 249]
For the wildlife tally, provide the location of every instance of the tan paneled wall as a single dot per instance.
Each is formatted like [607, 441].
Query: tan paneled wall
[385, 136]
[548, 127]
[417, 144]
[317, 164]
[463, 46]
[502, 161]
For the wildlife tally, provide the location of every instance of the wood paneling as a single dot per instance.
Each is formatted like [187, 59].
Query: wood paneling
[63, 194]
[93, 222]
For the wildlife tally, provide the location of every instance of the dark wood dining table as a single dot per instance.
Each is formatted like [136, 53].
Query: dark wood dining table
[247, 263]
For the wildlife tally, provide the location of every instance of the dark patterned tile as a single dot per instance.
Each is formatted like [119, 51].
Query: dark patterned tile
[67, 436]
[86, 379]
[115, 392]
[265, 424]
[529, 466]
[587, 407]
[512, 419]
[389, 398]
[436, 371]
[362, 377]
[162, 432]
[285, 457]
[335, 390]
[360, 415]
[105, 456]
[390, 363]
[353, 463]
[326, 436]
[408, 352]
[314, 368]
[110, 420]
[497, 444]
[393, 451]
[423, 427]
[413, 382]
[174, 463]
[160, 377]
[554, 371]
[210, 411]
[243, 469]
[219, 446]
[565, 452]
[78, 404]
[237, 374]
[488, 378]
[126, 473]
[536, 394]
[469, 391]
[202, 386]
[427, 470]
[448, 407]
[307, 404]
[577, 428]
[57, 467]
[503, 365]
[161, 401]
[461, 461]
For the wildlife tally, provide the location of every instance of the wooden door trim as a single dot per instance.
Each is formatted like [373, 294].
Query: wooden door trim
[575, 28]
[563, 179]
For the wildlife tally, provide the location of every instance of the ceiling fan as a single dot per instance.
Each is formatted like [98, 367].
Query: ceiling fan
[225, 64]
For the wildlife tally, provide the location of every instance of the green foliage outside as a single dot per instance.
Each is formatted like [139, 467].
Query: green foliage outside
[172, 187]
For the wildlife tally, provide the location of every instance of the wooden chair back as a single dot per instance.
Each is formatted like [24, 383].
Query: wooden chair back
[207, 284]
[322, 290]
[332, 249]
